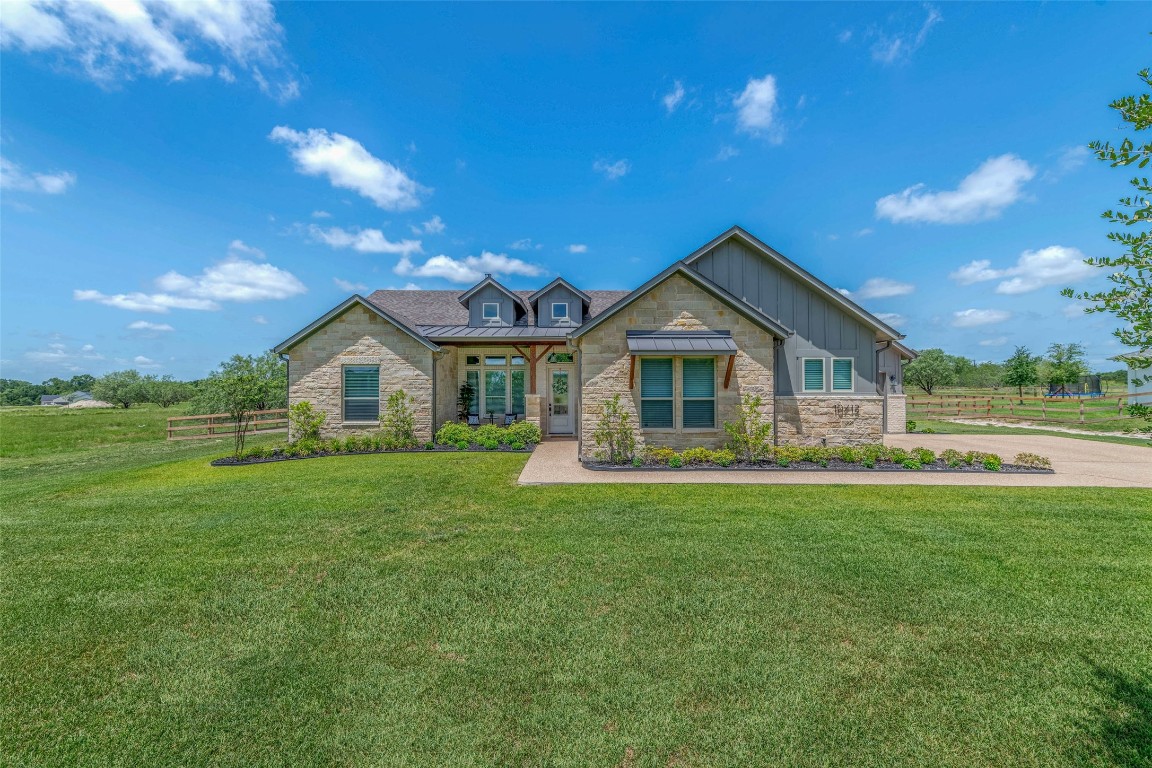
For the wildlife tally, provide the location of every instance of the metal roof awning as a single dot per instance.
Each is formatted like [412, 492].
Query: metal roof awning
[682, 343]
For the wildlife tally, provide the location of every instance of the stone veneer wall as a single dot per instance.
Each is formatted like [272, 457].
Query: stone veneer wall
[360, 337]
[447, 385]
[829, 419]
[897, 415]
[676, 304]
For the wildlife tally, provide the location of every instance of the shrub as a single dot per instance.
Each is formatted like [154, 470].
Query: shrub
[991, 462]
[897, 455]
[724, 457]
[848, 454]
[524, 432]
[656, 455]
[1032, 460]
[453, 432]
[789, 454]
[304, 448]
[697, 456]
[516, 445]
[972, 457]
[815, 454]
[399, 421]
[489, 445]
[924, 456]
[615, 441]
[305, 421]
[873, 452]
[429, 446]
[637, 461]
[750, 436]
[676, 462]
[910, 426]
[462, 445]
[911, 464]
[335, 445]
[868, 462]
[952, 457]
[489, 433]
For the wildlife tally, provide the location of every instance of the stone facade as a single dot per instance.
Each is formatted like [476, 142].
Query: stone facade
[897, 415]
[675, 304]
[829, 419]
[448, 383]
[360, 337]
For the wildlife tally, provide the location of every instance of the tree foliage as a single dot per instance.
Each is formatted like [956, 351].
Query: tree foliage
[1130, 297]
[1020, 370]
[165, 391]
[1065, 365]
[122, 388]
[244, 384]
[930, 370]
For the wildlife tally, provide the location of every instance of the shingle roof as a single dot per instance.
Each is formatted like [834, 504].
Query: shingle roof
[442, 308]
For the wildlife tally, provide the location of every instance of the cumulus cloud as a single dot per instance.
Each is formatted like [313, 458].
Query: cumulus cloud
[348, 285]
[433, 226]
[13, 177]
[321, 215]
[756, 107]
[238, 249]
[525, 244]
[1054, 265]
[144, 325]
[892, 318]
[998, 341]
[64, 357]
[348, 165]
[144, 362]
[121, 40]
[898, 47]
[469, 269]
[982, 194]
[673, 98]
[233, 279]
[578, 248]
[971, 318]
[260, 320]
[612, 169]
[880, 288]
[363, 240]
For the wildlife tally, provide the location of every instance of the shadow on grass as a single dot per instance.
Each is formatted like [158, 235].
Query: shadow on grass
[1123, 727]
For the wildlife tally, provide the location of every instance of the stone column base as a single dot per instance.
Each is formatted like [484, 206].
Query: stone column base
[897, 421]
[532, 405]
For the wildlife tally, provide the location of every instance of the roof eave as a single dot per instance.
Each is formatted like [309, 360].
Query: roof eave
[560, 281]
[463, 298]
[338, 310]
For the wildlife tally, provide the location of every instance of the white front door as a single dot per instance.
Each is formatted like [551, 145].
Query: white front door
[559, 402]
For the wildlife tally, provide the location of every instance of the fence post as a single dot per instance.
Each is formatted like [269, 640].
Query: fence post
[1044, 408]
[1081, 410]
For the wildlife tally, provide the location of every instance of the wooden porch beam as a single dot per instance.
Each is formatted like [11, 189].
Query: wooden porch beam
[728, 371]
[631, 372]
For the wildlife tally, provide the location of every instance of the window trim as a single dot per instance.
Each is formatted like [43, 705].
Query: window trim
[566, 316]
[344, 396]
[671, 399]
[851, 374]
[484, 310]
[684, 398]
[823, 374]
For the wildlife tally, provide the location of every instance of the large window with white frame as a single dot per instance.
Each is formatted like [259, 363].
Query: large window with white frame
[497, 382]
[560, 311]
[490, 312]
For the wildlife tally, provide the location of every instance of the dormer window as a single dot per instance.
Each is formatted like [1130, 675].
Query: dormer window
[491, 312]
[560, 312]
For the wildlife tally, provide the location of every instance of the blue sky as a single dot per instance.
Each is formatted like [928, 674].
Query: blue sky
[182, 183]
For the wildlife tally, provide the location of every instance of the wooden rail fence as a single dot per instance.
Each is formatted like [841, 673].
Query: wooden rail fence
[222, 425]
[1054, 409]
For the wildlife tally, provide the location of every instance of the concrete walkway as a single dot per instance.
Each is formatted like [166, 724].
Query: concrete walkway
[1077, 463]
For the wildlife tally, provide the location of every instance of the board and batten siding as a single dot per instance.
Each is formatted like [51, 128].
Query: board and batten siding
[487, 295]
[559, 295]
[821, 328]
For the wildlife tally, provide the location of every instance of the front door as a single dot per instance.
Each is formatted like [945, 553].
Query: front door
[559, 403]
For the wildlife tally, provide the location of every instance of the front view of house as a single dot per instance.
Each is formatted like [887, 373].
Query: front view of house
[734, 318]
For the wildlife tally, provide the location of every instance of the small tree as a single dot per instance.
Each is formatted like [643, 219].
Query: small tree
[305, 421]
[239, 387]
[122, 388]
[464, 401]
[1065, 365]
[930, 370]
[1020, 371]
[399, 421]
[166, 391]
[750, 436]
[615, 441]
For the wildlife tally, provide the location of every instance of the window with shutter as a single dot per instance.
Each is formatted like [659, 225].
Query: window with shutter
[814, 374]
[361, 393]
[699, 392]
[656, 393]
[842, 375]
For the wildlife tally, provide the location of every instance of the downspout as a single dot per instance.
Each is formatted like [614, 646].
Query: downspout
[579, 399]
[286, 359]
[777, 344]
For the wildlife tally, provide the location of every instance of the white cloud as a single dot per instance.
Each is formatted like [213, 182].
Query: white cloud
[892, 318]
[63, 357]
[433, 226]
[348, 285]
[863, 232]
[13, 177]
[999, 341]
[238, 249]
[880, 288]
[469, 269]
[145, 362]
[578, 248]
[844, 36]
[1074, 309]
[970, 318]
[981, 195]
[1073, 157]
[407, 287]
[726, 153]
[260, 320]
[612, 169]
[144, 325]
[321, 215]
[233, 279]
[116, 40]
[525, 244]
[348, 165]
[892, 48]
[673, 98]
[756, 107]
[363, 240]
[1054, 265]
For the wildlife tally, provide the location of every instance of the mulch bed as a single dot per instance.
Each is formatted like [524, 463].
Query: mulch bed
[232, 461]
[834, 465]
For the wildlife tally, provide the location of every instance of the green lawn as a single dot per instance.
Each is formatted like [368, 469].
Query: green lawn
[422, 609]
[40, 431]
[967, 428]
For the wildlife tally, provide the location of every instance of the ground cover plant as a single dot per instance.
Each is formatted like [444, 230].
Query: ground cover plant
[383, 609]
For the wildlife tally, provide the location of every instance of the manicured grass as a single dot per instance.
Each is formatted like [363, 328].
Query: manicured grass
[37, 431]
[422, 609]
[966, 428]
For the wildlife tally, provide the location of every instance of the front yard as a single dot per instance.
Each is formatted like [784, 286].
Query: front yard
[423, 609]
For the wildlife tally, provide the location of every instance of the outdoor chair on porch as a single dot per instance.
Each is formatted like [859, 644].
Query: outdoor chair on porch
[510, 418]
[473, 420]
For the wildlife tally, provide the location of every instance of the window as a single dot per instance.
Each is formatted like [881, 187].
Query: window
[559, 310]
[517, 360]
[814, 374]
[559, 357]
[699, 392]
[495, 392]
[517, 385]
[490, 311]
[495, 360]
[472, 360]
[842, 374]
[656, 392]
[361, 393]
[473, 379]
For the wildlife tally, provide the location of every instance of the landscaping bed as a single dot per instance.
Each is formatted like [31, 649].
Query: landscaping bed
[268, 454]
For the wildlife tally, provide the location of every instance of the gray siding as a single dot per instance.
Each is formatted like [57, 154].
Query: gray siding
[490, 294]
[891, 364]
[559, 295]
[821, 328]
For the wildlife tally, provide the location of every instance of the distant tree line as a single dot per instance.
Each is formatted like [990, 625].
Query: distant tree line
[1061, 367]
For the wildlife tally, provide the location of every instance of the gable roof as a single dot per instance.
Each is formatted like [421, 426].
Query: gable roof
[769, 324]
[559, 281]
[489, 280]
[339, 309]
[441, 308]
[795, 270]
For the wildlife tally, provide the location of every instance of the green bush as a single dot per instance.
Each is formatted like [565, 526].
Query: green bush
[724, 457]
[613, 436]
[911, 464]
[848, 454]
[637, 461]
[399, 421]
[453, 432]
[489, 433]
[789, 454]
[952, 457]
[489, 445]
[462, 445]
[924, 456]
[868, 462]
[991, 462]
[429, 446]
[524, 432]
[750, 436]
[676, 462]
[657, 455]
[897, 455]
[305, 421]
[696, 456]
[516, 445]
[1032, 460]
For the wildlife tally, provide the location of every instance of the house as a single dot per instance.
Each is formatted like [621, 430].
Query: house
[53, 400]
[1138, 393]
[733, 318]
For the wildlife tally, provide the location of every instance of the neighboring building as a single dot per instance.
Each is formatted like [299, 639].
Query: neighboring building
[733, 318]
[53, 400]
[1138, 394]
